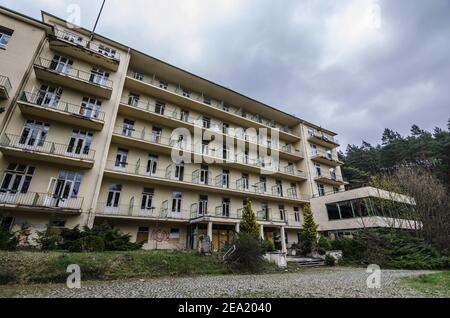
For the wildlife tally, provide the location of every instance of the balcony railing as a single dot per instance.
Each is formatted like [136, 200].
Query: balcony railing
[200, 149]
[40, 200]
[131, 210]
[322, 136]
[46, 147]
[78, 41]
[5, 84]
[68, 70]
[324, 154]
[175, 113]
[198, 177]
[203, 99]
[52, 102]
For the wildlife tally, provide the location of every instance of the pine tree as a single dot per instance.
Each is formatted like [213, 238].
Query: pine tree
[248, 224]
[309, 231]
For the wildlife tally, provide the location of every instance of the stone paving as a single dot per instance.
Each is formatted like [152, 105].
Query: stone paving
[321, 282]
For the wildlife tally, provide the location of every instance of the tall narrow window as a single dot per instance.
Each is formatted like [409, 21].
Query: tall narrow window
[297, 214]
[226, 178]
[152, 164]
[113, 200]
[314, 150]
[184, 115]
[128, 127]
[133, 99]
[48, 96]
[245, 181]
[121, 158]
[204, 174]
[318, 169]
[142, 234]
[321, 189]
[156, 135]
[176, 202]
[226, 207]
[203, 205]
[282, 212]
[179, 171]
[160, 107]
[147, 199]
[206, 122]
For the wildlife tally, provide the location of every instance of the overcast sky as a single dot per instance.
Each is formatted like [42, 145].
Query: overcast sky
[355, 67]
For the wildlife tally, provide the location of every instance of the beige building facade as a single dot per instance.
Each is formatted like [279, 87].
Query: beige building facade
[93, 131]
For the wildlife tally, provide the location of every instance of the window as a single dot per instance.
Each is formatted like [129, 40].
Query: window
[5, 36]
[184, 115]
[147, 199]
[80, 142]
[179, 171]
[321, 189]
[318, 169]
[152, 164]
[360, 208]
[226, 178]
[58, 223]
[90, 107]
[204, 174]
[156, 135]
[163, 84]
[205, 147]
[121, 158]
[333, 174]
[263, 183]
[297, 214]
[346, 210]
[279, 185]
[138, 76]
[106, 51]
[225, 128]
[128, 127]
[206, 122]
[174, 234]
[206, 100]
[6, 223]
[142, 234]
[203, 205]
[264, 211]
[99, 77]
[34, 133]
[333, 212]
[160, 107]
[61, 64]
[72, 37]
[329, 154]
[112, 203]
[17, 179]
[133, 99]
[186, 93]
[176, 202]
[226, 207]
[65, 187]
[282, 212]
[48, 96]
[245, 181]
[314, 150]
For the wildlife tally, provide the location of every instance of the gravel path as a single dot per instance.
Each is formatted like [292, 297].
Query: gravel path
[337, 282]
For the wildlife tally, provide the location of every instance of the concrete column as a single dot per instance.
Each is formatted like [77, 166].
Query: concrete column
[238, 227]
[261, 231]
[283, 240]
[210, 230]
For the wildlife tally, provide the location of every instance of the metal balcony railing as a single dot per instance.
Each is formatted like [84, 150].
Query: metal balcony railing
[40, 200]
[202, 98]
[5, 84]
[131, 210]
[46, 147]
[197, 177]
[324, 154]
[78, 41]
[68, 70]
[52, 101]
[324, 137]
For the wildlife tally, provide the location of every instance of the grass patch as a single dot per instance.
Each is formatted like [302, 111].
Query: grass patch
[41, 268]
[432, 285]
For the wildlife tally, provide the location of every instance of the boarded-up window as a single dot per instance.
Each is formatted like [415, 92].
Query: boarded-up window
[142, 235]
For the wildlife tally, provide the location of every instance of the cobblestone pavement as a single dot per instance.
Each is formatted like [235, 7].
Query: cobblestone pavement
[337, 282]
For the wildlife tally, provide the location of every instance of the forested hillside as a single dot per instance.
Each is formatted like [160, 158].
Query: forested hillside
[420, 148]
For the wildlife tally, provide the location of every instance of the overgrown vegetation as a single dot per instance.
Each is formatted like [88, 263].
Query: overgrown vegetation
[432, 285]
[390, 249]
[309, 232]
[8, 241]
[249, 224]
[98, 239]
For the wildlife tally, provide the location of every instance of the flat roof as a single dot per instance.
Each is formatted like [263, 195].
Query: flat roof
[226, 92]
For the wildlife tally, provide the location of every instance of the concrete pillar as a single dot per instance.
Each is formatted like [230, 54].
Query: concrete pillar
[210, 230]
[261, 231]
[283, 240]
[238, 227]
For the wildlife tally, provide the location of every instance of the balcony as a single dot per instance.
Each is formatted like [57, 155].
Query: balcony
[266, 215]
[65, 75]
[49, 106]
[73, 45]
[321, 139]
[198, 180]
[171, 117]
[178, 96]
[5, 87]
[46, 151]
[221, 214]
[40, 202]
[147, 140]
[327, 158]
[132, 211]
[330, 179]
